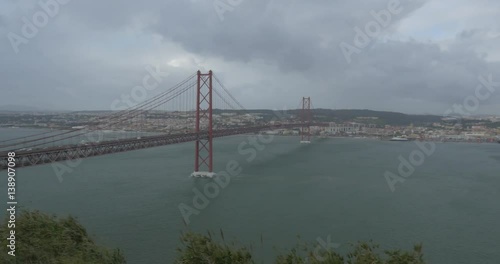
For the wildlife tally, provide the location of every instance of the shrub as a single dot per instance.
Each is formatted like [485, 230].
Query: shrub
[42, 238]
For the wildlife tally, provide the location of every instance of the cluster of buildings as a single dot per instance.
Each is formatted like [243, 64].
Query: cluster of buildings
[174, 122]
[435, 132]
[449, 129]
[151, 121]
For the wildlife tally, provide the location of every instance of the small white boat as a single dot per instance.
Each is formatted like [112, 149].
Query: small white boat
[399, 139]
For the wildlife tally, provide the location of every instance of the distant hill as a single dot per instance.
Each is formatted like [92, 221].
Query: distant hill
[321, 115]
[24, 108]
[361, 116]
[378, 117]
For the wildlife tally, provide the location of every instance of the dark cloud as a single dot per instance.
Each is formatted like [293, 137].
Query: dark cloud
[92, 52]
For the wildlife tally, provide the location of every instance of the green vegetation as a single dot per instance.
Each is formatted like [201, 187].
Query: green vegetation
[493, 125]
[376, 117]
[42, 238]
[198, 248]
[201, 249]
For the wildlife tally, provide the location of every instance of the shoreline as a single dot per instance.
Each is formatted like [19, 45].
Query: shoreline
[489, 141]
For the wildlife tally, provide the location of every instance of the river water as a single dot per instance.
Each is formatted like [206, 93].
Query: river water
[332, 187]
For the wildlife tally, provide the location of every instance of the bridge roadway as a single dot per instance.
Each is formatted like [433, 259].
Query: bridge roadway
[72, 152]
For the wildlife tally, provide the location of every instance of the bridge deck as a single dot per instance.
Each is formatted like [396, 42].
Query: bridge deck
[72, 152]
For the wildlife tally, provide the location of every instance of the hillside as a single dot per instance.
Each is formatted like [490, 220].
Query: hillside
[361, 116]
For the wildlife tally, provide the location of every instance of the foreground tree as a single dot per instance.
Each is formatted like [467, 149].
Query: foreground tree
[202, 249]
[361, 253]
[42, 238]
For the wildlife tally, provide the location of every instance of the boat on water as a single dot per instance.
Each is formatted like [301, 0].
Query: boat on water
[399, 139]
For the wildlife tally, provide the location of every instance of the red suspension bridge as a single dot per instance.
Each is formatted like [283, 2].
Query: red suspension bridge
[164, 119]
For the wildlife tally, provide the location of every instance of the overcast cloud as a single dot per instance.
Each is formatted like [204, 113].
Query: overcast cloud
[268, 53]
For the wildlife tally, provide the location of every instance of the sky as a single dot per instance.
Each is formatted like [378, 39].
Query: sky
[410, 56]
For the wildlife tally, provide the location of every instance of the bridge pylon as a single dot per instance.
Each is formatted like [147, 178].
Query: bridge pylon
[305, 116]
[203, 166]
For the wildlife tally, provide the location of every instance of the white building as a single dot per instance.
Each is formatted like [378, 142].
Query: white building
[349, 128]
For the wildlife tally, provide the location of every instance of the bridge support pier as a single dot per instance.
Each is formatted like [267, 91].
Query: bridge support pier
[305, 115]
[203, 174]
[204, 129]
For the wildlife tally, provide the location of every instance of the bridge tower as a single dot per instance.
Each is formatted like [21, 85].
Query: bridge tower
[305, 116]
[203, 166]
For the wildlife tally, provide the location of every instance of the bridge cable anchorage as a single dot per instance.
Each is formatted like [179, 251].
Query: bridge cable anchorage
[305, 116]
